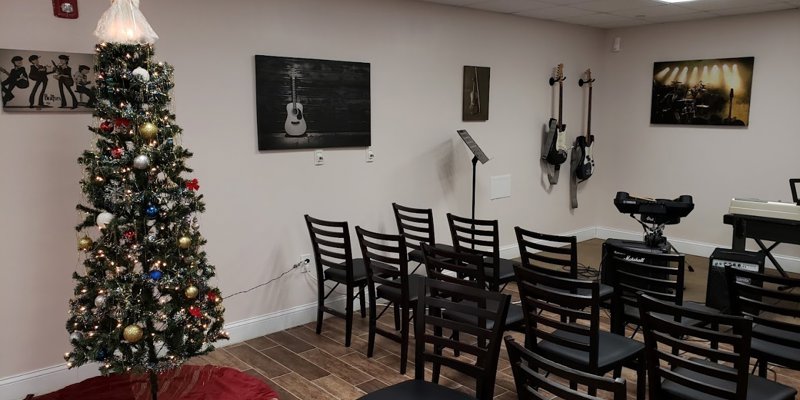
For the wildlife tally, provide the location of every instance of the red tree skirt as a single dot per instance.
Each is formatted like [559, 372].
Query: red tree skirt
[186, 383]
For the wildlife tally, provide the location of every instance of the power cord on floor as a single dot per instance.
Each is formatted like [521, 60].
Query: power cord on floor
[295, 266]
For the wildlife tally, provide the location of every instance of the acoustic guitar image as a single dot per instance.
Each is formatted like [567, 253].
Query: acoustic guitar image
[295, 122]
[475, 95]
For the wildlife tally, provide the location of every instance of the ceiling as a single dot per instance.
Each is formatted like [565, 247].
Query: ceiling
[622, 13]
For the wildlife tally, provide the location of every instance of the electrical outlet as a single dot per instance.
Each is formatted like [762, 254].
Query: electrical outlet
[303, 263]
[318, 159]
[370, 155]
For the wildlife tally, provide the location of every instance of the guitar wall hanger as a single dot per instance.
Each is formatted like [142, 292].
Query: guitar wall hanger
[582, 82]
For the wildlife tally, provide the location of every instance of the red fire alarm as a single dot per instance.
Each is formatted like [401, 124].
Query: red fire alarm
[65, 8]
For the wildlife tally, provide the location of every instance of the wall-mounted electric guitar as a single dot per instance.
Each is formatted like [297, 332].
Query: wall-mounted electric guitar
[583, 144]
[475, 95]
[295, 120]
[556, 137]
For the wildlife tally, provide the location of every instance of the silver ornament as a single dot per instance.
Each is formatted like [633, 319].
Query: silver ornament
[103, 219]
[141, 162]
[76, 336]
[142, 74]
[100, 301]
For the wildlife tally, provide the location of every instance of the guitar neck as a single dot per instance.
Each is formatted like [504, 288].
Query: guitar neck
[560, 103]
[589, 117]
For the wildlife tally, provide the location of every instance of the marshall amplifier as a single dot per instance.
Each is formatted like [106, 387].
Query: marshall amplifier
[717, 288]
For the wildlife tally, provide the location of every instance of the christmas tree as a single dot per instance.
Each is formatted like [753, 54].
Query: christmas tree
[144, 303]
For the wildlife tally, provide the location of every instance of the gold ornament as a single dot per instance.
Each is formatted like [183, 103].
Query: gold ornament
[184, 242]
[148, 130]
[85, 243]
[191, 292]
[133, 333]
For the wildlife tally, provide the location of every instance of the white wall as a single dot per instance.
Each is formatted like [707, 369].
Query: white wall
[256, 200]
[712, 164]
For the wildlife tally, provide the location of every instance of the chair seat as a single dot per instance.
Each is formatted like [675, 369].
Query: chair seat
[758, 388]
[392, 293]
[632, 313]
[514, 320]
[605, 291]
[340, 276]
[417, 256]
[611, 350]
[417, 390]
[773, 352]
[506, 269]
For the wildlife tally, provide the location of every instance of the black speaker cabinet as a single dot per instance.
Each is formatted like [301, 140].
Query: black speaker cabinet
[717, 287]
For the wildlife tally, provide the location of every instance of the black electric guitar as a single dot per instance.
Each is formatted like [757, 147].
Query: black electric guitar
[584, 143]
[475, 95]
[295, 124]
[556, 152]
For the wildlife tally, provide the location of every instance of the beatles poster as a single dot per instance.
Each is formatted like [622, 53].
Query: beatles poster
[47, 81]
[702, 92]
[307, 103]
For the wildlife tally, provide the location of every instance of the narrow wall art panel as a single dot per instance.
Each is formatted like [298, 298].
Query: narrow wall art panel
[702, 92]
[47, 81]
[308, 103]
[475, 94]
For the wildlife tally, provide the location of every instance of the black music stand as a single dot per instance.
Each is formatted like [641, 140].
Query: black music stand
[793, 185]
[477, 155]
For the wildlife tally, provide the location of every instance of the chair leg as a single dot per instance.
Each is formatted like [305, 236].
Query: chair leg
[617, 372]
[641, 378]
[762, 368]
[320, 305]
[363, 301]
[397, 316]
[455, 336]
[404, 342]
[373, 318]
[348, 315]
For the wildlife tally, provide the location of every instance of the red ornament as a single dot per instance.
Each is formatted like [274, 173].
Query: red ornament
[117, 152]
[106, 127]
[129, 235]
[122, 123]
[195, 311]
[212, 296]
[192, 185]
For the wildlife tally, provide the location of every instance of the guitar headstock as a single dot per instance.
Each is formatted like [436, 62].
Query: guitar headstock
[588, 80]
[559, 75]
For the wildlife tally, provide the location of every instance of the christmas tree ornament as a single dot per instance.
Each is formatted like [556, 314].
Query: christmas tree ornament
[76, 336]
[106, 127]
[185, 242]
[156, 274]
[117, 152]
[122, 124]
[212, 297]
[191, 292]
[123, 23]
[129, 235]
[148, 130]
[141, 73]
[195, 311]
[192, 185]
[151, 211]
[101, 355]
[100, 301]
[103, 219]
[141, 162]
[133, 333]
[85, 243]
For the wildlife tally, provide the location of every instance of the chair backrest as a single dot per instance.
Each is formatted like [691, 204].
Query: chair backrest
[386, 260]
[768, 300]
[415, 224]
[331, 243]
[476, 340]
[631, 271]
[455, 267]
[534, 373]
[673, 354]
[477, 237]
[553, 303]
[547, 252]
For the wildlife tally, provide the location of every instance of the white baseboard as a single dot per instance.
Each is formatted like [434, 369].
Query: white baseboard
[55, 377]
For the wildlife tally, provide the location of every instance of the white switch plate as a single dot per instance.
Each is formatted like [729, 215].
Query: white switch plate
[370, 155]
[501, 187]
[318, 158]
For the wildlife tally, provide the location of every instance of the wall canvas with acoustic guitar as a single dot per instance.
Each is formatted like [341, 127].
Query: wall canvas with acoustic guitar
[475, 103]
[307, 103]
[47, 81]
[702, 92]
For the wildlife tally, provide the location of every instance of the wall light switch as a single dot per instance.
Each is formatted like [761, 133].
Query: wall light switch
[318, 158]
[370, 155]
